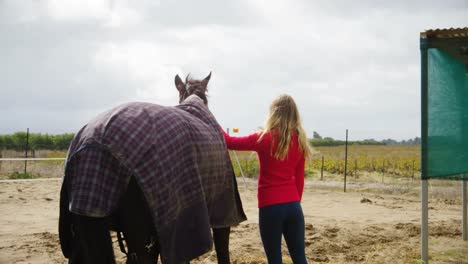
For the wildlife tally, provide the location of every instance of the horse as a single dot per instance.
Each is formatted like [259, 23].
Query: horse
[160, 176]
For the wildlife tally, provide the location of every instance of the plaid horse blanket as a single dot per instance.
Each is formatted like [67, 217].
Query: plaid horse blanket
[179, 159]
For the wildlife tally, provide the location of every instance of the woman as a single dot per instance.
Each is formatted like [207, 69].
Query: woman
[282, 148]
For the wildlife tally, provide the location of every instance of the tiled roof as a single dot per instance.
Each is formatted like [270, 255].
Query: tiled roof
[445, 33]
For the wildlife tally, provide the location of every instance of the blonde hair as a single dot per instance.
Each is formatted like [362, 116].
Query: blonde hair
[283, 120]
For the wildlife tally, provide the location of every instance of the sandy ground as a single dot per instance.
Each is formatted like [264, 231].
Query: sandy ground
[352, 227]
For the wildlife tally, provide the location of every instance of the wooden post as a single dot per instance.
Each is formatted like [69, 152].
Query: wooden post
[346, 159]
[412, 177]
[321, 171]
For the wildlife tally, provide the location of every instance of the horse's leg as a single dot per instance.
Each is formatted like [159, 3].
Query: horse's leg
[91, 241]
[83, 239]
[136, 224]
[65, 232]
[221, 241]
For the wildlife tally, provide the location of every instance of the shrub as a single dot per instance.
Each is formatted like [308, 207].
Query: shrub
[17, 175]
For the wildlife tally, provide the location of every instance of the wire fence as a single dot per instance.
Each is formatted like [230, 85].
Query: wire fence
[328, 163]
[36, 164]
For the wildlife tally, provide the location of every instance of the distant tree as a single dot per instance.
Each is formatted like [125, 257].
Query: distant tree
[19, 140]
[61, 142]
[325, 142]
[8, 142]
[389, 141]
[411, 141]
[316, 135]
[40, 141]
[369, 141]
[328, 141]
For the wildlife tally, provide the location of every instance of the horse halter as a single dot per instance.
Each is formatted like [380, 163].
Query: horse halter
[183, 96]
[196, 88]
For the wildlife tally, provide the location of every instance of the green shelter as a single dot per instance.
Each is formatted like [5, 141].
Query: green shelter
[444, 116]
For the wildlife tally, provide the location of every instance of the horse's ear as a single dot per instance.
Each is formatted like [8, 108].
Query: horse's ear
[179, 84]
[206, 80]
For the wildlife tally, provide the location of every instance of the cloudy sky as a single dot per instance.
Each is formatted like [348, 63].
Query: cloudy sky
[348, 64]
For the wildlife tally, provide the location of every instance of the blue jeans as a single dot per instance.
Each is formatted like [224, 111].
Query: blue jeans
[283, 219]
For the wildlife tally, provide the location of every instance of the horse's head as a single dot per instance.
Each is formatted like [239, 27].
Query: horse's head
[192, 86]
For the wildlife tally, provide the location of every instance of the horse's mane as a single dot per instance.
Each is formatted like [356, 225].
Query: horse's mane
[192, 86]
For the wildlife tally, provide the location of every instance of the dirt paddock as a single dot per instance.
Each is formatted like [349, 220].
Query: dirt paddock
[352, 227]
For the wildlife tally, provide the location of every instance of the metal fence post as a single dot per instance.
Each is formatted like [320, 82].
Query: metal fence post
[383, 170]
[464, 210]
[355, 169]
[346, 159]
[321, 171]
[26, 152]
[424, 161]
[424, 222]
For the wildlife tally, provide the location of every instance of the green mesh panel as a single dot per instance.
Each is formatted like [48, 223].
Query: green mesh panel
[447, 109]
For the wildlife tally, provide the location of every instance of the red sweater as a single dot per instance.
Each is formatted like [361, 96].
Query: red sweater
[280, 181]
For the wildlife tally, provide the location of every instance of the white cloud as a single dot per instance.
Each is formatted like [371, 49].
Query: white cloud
[13, 11]
[148, 64]
[78, 9]
[106, 13]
